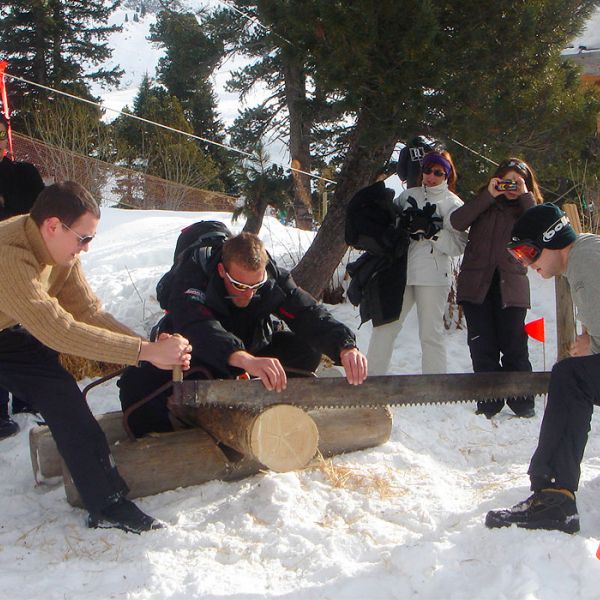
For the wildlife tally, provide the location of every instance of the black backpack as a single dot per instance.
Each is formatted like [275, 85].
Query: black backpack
[196, 243]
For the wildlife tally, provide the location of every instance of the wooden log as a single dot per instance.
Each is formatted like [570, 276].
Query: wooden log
[167, 461]
[347, 430]
[280, 437]
[45, 459]
[156, 463]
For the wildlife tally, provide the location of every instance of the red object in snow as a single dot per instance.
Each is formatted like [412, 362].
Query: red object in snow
[535, 329]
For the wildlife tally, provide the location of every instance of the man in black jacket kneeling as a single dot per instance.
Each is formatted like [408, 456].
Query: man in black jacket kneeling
[224, 305]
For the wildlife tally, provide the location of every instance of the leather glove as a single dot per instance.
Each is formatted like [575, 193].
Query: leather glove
[421, 222]
[434, 222]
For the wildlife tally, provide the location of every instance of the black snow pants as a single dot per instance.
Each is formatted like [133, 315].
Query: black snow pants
[574, 390]
[498, 342]
[33, 372]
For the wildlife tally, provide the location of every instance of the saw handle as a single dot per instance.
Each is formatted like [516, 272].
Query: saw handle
[177, 377]
[177, 374]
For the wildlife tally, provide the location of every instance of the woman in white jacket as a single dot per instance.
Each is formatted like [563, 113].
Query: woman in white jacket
[433, 241]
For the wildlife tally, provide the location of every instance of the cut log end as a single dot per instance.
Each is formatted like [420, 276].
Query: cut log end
[284, 438]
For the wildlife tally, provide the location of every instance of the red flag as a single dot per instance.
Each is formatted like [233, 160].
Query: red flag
[535, 329]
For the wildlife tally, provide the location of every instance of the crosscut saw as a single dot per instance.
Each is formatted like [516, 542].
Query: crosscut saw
[335, 392]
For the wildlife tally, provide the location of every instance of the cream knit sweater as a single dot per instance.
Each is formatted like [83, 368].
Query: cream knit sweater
[55, 303]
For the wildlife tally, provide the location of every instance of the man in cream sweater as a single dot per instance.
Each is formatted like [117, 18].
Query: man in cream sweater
[47, 307]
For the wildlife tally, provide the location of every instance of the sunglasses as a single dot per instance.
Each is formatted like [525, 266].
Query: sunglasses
[3, 135]
[524, 252]
[83, 239]
[515, 164]
[244, 287]
[436, 172]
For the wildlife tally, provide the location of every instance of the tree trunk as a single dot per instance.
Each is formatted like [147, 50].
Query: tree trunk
[362, 163]
[300, 132]
[256, 215]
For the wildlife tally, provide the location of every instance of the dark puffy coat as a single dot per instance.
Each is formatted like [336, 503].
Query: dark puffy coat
[198, 309]
[491, 221]
[377, 286]
[20, 184]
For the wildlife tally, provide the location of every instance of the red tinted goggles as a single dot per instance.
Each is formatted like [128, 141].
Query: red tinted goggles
[525, 252]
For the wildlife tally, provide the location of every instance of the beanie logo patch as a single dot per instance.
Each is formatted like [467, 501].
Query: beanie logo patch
[416, 154]
[555, 228]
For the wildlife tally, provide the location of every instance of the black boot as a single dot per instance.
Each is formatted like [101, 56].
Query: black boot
[549, 508]
[489, 408]
[123, 514]
[523, 406]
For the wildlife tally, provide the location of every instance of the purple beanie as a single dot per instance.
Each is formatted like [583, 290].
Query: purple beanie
[435, 158]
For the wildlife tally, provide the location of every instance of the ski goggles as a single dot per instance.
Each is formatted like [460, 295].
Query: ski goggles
[244, 287]
[524, 252]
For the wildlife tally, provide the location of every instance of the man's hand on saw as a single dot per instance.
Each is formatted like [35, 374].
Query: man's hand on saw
[168, 351]
[269, 370]
[355, 365]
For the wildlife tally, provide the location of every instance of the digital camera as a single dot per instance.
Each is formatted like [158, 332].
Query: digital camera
[506, 185]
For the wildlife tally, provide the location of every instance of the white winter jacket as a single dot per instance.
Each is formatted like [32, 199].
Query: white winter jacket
[429, 260]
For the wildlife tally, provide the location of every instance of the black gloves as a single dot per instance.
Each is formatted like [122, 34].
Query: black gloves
[421, 222]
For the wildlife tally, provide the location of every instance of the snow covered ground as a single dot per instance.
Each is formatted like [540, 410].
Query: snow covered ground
[409, 525]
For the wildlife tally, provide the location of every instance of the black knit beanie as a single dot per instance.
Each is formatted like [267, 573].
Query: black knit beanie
[546, 226]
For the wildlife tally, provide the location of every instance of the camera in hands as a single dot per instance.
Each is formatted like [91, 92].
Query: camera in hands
[506, 185]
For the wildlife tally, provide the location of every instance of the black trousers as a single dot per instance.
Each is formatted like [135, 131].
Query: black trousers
[18, 405]
[33, 372]
[153, 416]
[574, 390]
[498, 342]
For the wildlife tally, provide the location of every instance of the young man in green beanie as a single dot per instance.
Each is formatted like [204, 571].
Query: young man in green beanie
[544, 240]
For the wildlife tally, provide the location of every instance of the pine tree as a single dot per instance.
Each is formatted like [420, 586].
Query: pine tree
[56, 43]
[157, 151]
[262, 184]
[185, 70]
[280, 65]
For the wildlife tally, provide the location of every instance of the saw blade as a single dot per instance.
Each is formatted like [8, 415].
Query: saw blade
[334, 392]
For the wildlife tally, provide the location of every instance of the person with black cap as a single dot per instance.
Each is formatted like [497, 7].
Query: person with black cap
[544, 240]
[411, 157]
[491, 287]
